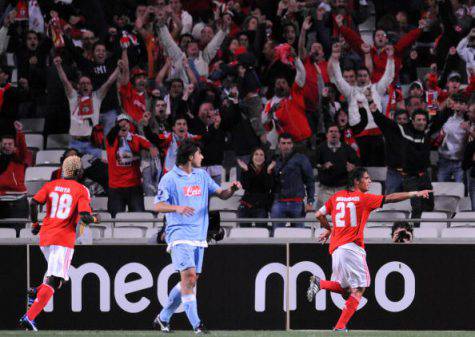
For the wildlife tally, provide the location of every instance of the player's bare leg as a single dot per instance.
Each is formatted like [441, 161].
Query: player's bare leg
[189, 278]
[349, 309]
[316, 284]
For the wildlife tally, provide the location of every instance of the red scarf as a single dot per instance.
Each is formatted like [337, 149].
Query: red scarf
[85, 107]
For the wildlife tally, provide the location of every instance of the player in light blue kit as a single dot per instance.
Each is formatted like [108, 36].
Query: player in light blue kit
[183, 194]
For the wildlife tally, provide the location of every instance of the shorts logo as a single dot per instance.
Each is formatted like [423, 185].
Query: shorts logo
[192, 191]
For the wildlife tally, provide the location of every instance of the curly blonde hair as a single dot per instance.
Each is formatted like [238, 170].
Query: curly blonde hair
[71, 166]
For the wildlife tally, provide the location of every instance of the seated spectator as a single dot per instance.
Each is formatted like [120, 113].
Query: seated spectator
[402, 232]
[293, 181]
[84, 107]
[123, 156]
[334, 160]
[13, 163]
[257, 181]
[455, 133]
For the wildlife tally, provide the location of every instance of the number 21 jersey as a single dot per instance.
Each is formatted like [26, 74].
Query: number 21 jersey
[350, 211]
[65, 199]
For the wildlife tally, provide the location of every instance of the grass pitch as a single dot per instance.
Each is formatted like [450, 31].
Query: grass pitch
[300, 333]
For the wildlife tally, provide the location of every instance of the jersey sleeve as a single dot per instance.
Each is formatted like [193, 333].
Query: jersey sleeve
[84, 201]
[373, 201]
[327, 208]
[212, 186]
[42, 194]
[164, 190]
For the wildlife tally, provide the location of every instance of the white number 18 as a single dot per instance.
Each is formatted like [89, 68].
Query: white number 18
[341, 212]
[60, 206]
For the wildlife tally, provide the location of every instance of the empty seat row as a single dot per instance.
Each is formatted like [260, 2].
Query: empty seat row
[54, 141]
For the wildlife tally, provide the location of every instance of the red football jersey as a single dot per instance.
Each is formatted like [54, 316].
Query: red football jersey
[350, 211]
[65, 199]
[134, 103]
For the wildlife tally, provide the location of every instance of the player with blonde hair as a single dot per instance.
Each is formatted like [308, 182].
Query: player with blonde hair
[67, 203]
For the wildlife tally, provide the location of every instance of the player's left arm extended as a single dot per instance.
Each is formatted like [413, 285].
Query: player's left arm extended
[396, 197]
[228, 193]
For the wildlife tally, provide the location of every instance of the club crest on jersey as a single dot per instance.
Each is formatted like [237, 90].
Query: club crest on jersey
[192, 191]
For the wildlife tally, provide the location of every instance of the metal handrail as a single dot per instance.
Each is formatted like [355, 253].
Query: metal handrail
[261, 220]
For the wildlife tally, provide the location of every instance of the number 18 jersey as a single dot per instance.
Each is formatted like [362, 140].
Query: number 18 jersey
[64, 199]
[350, 211]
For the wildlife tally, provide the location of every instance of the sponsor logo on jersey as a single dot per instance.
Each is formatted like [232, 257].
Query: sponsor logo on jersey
[192, 191]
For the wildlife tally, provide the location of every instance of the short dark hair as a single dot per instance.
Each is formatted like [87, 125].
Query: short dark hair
[363, 68]
[356, 174]
[98, 43]
[400, 112]
[286, 135]
[186, 149]
[377, 30]
[179, 117]
[420, 112]
[7, 136]
[333, 125]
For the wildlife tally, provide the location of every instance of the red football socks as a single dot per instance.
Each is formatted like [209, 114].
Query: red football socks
[332, 286]
[45, 292]
[349, 309]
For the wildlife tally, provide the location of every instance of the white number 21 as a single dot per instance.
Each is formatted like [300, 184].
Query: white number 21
[341, 212]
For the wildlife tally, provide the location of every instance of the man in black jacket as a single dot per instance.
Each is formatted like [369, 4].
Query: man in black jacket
[293, 180]
[334, 160]
[414, 140]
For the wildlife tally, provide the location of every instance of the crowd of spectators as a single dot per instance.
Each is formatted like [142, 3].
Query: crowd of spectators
[281, 87]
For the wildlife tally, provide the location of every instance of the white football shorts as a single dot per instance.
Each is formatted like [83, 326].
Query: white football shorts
[350, 268]
[59, 259]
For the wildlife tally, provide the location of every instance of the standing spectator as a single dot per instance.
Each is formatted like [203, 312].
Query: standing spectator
[13, 163]
[466, 50]
[123, 156]
[168, 142]
[84, 107]
[257, 181]
[370, 140]
[469, 166]
[293, 180]
[394, 150]
[334, 160]
[186, 19]
[379, 51]
[455, 132]
[198, 60]
[99, 69]
[208, 127]
[415, 141]
[132, 89]
[285, 112]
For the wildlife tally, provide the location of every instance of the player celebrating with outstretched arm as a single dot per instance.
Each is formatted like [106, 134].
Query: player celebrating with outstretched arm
[183, 194]
[350, 210]
[67, 203]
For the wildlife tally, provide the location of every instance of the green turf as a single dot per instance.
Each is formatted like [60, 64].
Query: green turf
[302, 333]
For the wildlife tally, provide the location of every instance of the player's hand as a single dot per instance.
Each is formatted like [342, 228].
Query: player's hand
[424, 194]
[235, 185]
[185, 210]
[323, 237]
[35, 228]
